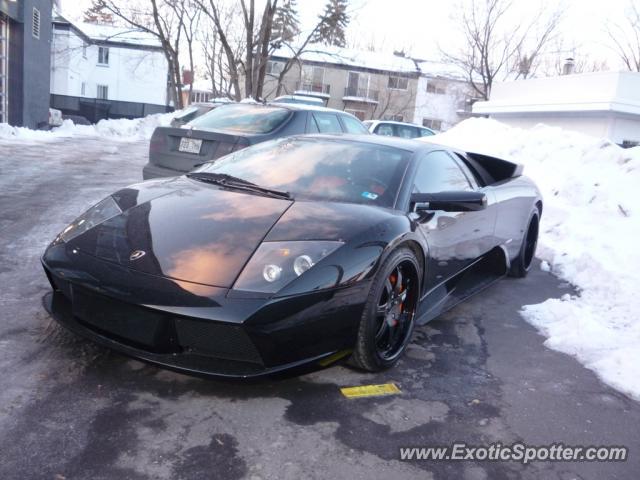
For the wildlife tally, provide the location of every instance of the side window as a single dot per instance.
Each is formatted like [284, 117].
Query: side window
[351, 125]
[425, 132]
[406, 131]
[474, 178]
[438, 172]
[384, 129]
[312, 126]
[327, 122]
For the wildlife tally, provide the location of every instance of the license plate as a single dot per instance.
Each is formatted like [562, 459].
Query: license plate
[190, 145]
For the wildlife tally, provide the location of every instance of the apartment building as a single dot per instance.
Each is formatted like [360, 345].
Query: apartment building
[373, 85]
[368, 85]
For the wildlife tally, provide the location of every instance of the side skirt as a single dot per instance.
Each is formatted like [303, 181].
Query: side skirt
[483, 273]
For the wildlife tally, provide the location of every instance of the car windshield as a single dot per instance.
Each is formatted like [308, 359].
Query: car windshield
[185, 113]
[245, 118]
[320, 169]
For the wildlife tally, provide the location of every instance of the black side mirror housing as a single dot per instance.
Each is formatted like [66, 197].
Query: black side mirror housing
[462, 201]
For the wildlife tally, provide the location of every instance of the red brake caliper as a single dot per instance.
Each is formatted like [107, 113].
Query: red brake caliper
[393, 280]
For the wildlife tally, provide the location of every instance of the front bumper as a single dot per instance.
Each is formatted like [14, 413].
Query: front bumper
[60, 308]
[208, 332]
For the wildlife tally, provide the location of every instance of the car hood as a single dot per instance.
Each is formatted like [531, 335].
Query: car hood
[187, 230]
[196, 232]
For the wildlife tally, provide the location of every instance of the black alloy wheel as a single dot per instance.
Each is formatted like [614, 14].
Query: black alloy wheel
[389, 315]
[522, 263]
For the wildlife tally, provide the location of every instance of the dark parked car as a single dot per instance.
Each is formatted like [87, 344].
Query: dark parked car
[174, 151]
[292, 251]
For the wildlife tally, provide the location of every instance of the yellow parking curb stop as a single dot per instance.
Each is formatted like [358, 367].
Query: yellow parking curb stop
[371, 390]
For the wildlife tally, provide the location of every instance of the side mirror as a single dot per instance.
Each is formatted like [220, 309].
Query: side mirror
[462, 201]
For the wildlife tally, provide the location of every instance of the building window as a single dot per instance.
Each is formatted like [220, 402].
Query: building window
[274, 68]
[393, 118]
[432, 124]
[434, 88]
[35, 25]
[83, 89]
[398, 83]
[103, 56]
[103, 92]
[358, 86]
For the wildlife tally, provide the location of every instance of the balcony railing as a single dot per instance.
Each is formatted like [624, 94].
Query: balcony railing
[366, 94]
[323, 88]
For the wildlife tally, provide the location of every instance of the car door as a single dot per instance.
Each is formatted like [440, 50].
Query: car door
[455, 239]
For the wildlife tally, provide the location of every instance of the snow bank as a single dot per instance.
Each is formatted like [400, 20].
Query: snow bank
[124, 129]
[589, 237]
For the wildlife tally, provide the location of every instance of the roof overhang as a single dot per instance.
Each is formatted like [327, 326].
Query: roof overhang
[492, 108]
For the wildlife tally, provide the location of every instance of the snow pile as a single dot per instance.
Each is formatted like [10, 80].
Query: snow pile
[124, 129]
[589, 236]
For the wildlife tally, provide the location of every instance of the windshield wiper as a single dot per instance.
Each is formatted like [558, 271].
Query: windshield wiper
[219, 178]
[230, 181]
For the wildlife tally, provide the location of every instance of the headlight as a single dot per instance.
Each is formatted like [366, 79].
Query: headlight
[275, 264]
[97, 214]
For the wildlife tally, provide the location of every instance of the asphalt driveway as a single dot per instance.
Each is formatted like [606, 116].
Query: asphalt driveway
[71, 410]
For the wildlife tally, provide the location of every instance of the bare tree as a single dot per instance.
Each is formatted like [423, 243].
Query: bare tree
[233, 60]
[295, 51]
[495, 45]
[216, 65]
[529, 53]
[163, 19]
[555, 61]
[190, 23]
[395, 102]
[626, 37]
[252, 62]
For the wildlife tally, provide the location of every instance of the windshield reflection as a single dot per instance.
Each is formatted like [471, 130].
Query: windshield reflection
[322, 169]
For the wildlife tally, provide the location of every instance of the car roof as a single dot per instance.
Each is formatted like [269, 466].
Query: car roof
[305, 107]
[393, 122]
[410, 145]
[305, 98]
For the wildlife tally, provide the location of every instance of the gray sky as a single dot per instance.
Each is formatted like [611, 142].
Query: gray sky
[420, 26]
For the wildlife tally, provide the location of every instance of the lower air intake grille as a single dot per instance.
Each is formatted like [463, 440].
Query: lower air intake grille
[214, 339]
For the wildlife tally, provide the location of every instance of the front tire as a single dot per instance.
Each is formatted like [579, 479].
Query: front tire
[389, 314]
[522, 264]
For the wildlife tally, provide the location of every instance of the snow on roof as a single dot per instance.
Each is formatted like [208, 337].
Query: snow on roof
[375, 61]
[595, 92]
[355, 58]
[111, 33]
[441, 69]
